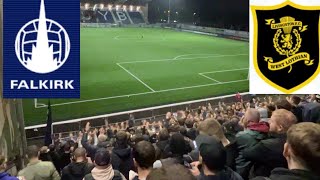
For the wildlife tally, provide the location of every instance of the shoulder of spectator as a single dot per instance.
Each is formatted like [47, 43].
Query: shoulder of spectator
[255, 152]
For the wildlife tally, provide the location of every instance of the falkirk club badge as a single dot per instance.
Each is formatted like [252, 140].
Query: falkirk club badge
[286, 45]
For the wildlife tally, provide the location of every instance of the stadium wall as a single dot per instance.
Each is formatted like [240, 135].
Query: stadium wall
[35, 134]
[12, 135]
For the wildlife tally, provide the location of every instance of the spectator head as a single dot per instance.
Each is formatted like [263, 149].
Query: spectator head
[121, 138]
[211, 127]
[212, 154]
[163, 134]
[283, 104]
[251, 116]
[32, 152]
[102, 138]
[44, 149]
[173, 172]
[144, 155]
[183, 131]
[80, 154]
[303, 146]
[67, 147]
[102, 159]
[294, 100]
[263, 113]
[178, 144]
[189, 123]
[281, 120]
[174, 128]
[181, 117]
[52, 147]
[3, 165]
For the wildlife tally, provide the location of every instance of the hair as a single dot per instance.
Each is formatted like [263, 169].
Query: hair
[189, 123]
[32, 151]
[144, 154]
[283, 104]
[121, 138]
[178, 145]
[215, 158]
[181, 118]
[295, 99]
[164, 134]
[284, 118]
[183, 131]
[52, 147]
[173, 172]
[303, 138]
[102, 138]
[211, 127]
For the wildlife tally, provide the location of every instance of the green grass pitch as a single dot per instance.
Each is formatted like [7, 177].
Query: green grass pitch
[130, 68]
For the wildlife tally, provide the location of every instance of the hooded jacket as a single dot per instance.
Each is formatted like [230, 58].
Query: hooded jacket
[226, 174]
[104, 174]
[122, 160]
[294, 174]
[76, 170]
[6, 176]
[246, 139]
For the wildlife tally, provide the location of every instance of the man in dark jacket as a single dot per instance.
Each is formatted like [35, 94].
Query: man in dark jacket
[213, 159]
[302, 154]
[121, 156]
[254, 132]
[163, 143]
[77, 169]
[91, 149]
[267, 154]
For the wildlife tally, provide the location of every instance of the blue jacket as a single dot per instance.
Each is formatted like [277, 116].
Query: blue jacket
[6, 176]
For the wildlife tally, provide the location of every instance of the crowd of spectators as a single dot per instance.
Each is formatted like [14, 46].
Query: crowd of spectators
[265, 138]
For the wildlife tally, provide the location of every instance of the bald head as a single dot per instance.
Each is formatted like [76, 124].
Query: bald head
[102, 138]
[80, 154]
[281, 120]
[251, 115]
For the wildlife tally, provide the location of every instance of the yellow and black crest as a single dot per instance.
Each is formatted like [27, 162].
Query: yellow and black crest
[286, 44]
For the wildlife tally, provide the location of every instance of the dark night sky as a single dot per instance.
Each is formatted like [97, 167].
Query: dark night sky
[209, 12]
[218, 13]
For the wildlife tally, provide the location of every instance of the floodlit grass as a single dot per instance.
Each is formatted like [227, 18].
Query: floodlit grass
[130, 68]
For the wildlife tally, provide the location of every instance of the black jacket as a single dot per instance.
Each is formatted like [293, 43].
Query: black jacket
[65, 159]
[246, 139]
[122, 160]
[92, 149]
[267, 155]
[226, 174]
[76, 171]
[232, 153]
[162, 146]
[55, 160]
[286, 174]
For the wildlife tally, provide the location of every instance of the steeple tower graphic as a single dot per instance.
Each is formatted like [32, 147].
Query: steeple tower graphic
[42, 60]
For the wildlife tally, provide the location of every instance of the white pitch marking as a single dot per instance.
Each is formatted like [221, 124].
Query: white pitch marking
[209, 77]
[146, 85]
[143, 93]
[211, 72]
[183, 55]
[159, 60]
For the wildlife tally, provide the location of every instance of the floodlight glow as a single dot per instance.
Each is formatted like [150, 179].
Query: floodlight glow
[175, 21]
[109, 7]
[138, 8]
[131, 8]
[117, 7]
[124, 7]
[101, 6]
[86, 6]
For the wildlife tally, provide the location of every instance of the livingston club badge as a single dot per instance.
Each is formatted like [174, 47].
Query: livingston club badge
[286, 45]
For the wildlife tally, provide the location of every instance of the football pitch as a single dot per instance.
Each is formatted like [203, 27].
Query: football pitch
[130, 68]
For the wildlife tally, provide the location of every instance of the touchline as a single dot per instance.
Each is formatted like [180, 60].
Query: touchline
[41, 84]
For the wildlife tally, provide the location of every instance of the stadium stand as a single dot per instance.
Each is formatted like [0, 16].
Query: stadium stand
[260, 138]
[118, 16]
